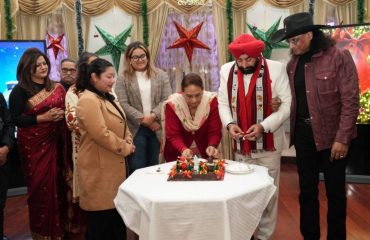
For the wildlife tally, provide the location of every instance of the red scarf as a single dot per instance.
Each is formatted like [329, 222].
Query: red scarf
[247, 106]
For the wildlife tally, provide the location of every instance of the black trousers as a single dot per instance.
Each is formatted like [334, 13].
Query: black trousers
[105, 224]
[4, 180]
[309, 163]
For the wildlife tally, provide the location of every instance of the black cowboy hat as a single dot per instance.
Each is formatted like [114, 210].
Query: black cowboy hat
[294, 25]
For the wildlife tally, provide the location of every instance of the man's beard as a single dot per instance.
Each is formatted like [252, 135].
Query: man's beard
[248, 70]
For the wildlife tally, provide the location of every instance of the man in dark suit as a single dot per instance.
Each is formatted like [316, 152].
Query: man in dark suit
[6, 143]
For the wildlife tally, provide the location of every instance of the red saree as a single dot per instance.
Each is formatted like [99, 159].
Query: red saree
[42, 151]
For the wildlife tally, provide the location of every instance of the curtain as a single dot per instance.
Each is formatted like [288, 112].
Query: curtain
[34, 29]
[38, 7]
[345, 13]
[301, 7]
[219, 18]
[284, 3]
[367, 13]
[339, 2]
[156, 20]
[239, 22]
[71, 31]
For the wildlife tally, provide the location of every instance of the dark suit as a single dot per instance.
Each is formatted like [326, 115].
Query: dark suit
[7, 138]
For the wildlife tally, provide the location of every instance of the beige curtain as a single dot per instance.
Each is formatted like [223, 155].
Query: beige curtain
[38, 7]
[345, 13]
[157, 21]
[31, 26]
[219, 18]
[339, 2]
[136, 32]
[239, 22]
[301, 7]
[285, 3]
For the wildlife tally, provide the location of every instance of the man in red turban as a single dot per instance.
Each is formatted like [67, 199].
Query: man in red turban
[247, 87]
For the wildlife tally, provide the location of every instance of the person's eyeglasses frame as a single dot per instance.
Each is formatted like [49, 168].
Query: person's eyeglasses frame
[69, 70]
[136, 58]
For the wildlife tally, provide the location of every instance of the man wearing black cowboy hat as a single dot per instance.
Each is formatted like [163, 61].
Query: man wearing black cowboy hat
[325, 102]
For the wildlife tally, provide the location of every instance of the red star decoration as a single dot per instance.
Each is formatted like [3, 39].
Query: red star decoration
[55, 44]
[188, 40]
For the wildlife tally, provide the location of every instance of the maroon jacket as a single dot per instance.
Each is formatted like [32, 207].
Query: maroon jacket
[332, 96]
[178, 139]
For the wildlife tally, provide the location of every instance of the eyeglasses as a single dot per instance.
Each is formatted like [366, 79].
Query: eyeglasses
[294, 40]
[136, 58]
[66, 70]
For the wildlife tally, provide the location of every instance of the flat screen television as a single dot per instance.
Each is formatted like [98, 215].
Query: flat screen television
[10, 53]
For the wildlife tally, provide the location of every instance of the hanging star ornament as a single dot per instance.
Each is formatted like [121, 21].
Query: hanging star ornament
[188, 40]
[115, 46]
[266, 38]
[55, 44]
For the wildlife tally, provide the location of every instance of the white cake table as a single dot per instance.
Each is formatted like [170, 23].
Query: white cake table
[157, 209]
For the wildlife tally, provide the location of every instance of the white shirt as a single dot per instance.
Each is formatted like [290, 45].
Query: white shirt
[145, 91]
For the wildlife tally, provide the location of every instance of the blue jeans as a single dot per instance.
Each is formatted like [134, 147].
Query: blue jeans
[147, 150]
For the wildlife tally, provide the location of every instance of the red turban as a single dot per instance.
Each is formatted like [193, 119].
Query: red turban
[246, 44]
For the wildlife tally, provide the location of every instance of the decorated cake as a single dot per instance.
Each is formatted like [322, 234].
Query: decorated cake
[197, 170]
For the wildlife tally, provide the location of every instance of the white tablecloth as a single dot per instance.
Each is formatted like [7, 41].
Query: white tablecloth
[157, 209]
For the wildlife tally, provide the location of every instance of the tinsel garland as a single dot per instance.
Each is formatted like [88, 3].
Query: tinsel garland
[78, 9]
[229, 18]
[8, 19]
[364, 111]
[361, 11]
[311, 7]
[144, 14]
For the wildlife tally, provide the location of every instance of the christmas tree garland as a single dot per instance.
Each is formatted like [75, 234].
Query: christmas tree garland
[229, 18]
[8, 19]
[361, 11]
[144, 14]
[79, 27]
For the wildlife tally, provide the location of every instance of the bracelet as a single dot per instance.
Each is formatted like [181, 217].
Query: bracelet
[228, 125]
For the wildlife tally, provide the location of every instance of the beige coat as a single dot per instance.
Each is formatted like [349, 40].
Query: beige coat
[105, 141]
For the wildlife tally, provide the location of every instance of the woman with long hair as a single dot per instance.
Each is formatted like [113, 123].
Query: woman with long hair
[37, 108]
[141, 91]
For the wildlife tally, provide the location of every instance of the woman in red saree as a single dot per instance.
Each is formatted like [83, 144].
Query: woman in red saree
[37, 108]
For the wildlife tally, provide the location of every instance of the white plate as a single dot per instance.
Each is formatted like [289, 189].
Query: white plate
[239, 168]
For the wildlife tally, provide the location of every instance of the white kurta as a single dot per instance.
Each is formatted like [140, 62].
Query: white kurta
[280, 88]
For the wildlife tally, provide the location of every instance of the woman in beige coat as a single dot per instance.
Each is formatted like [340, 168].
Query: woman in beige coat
[141, 90]
[105, 142]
